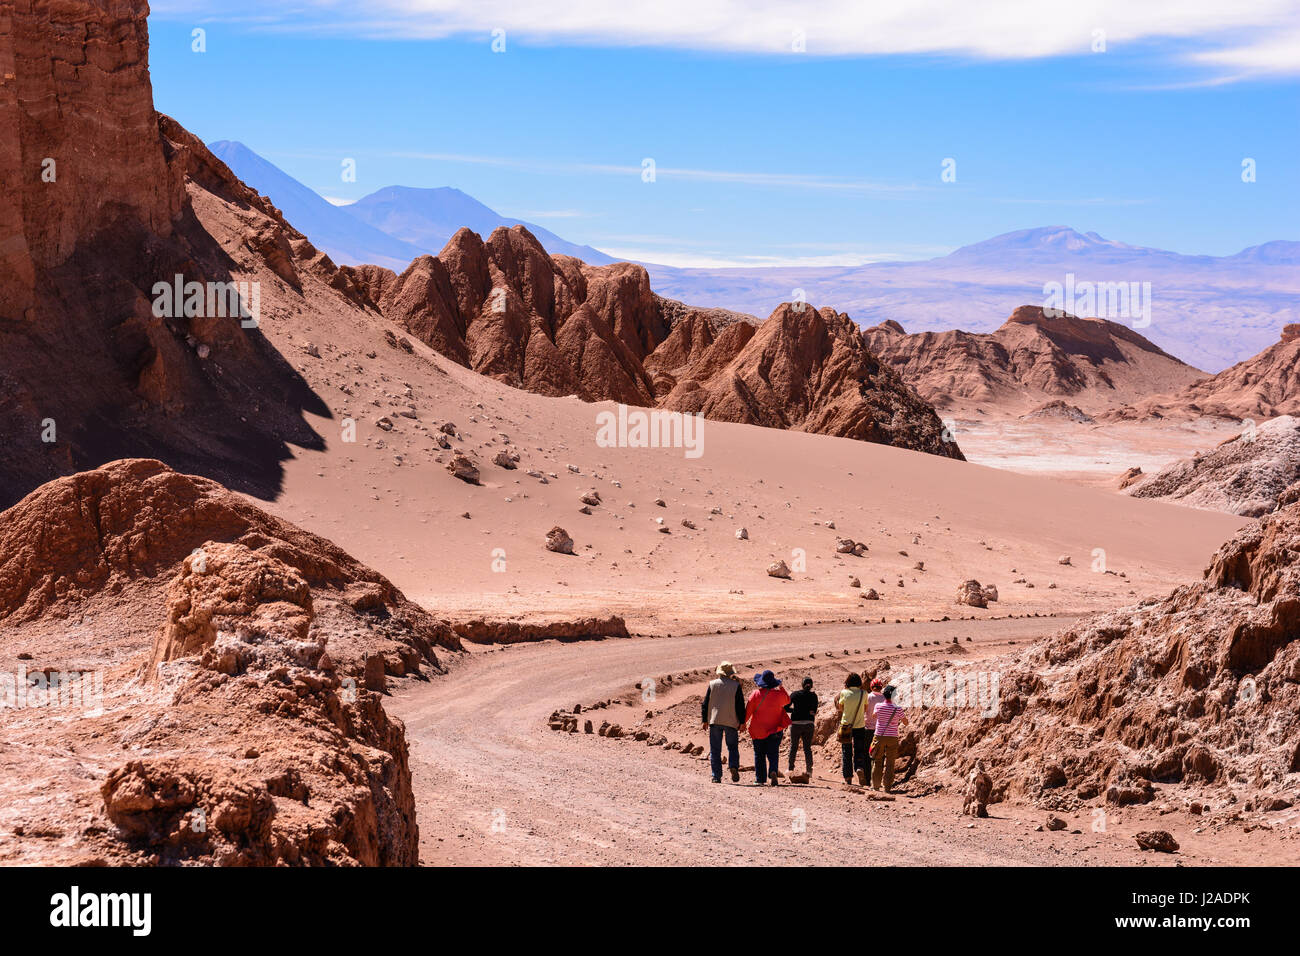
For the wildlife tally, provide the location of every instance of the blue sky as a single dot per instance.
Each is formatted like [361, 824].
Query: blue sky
[765, 155]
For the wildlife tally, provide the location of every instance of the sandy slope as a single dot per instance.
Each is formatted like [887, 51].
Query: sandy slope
[494, 786]
[783, 487]
[387, 499]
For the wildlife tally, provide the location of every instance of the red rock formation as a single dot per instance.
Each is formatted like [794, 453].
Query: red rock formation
[810, 370]
[1261, 387]
[506, 309]
[1032, 358]
[81, 153]
[85, 355]
[560, 327]
[252, 739]
[696, 350]
[1201, 688]
[100, 531]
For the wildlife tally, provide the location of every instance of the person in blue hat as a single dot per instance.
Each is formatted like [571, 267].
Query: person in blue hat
[767, 719]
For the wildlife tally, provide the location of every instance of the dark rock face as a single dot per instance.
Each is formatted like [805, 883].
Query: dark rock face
[97, 196]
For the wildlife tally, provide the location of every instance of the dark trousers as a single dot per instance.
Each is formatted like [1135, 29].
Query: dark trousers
[801, 733]
[767, 756]
[716, 733]
[856, 753]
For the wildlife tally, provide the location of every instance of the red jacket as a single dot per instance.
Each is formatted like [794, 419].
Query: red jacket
[765, 712]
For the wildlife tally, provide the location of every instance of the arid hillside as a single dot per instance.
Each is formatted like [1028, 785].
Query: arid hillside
[1031, 360]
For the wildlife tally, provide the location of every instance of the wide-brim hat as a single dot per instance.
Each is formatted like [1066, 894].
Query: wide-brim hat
[767, 680]
[726, 669]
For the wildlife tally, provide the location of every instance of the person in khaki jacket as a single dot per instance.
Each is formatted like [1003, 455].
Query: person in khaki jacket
[722, 712]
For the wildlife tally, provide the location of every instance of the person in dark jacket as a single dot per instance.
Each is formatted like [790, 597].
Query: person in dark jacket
[722, 713]
[803, 713]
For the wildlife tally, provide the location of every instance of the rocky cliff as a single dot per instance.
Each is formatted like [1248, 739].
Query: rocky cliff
[1031, 359]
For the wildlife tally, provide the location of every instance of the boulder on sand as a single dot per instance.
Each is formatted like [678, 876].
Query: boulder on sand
[1161, 841]
[558, 540]
[778, 569]
[463, 468]
[970, 593]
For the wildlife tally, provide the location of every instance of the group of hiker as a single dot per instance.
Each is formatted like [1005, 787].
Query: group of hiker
[869, 723]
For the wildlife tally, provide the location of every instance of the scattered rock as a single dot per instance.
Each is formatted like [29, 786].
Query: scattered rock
[970, 593]
[778, 569]
[463, 468]
[1162, 841]
[558, 540]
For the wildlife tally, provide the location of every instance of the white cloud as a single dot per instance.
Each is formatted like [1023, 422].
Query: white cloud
[1275, 54]
[1242, 34]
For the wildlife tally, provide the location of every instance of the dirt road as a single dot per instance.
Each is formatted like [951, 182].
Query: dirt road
[495, 786]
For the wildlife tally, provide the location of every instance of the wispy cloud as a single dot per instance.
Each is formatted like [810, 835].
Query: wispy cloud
[1251, 37]
[694, 253]
[1089, 201]
[552, 214]
[741, 177]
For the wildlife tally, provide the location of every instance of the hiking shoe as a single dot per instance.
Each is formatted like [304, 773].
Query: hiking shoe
[773, 781]
[862, 778]
[717, 780]
[735, 775]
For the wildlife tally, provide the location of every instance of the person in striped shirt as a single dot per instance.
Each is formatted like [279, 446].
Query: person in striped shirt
[884, 745]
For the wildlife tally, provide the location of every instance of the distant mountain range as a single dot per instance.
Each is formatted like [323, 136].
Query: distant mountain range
[1210, 311]
[389, 227]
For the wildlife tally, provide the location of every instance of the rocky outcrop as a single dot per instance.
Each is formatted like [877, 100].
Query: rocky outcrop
[1245, 475]
[557, 326]
[1032, 359]
[1200, 689]
[809, 370]
[101, 532]
[505, 308]
[972, 594]
[1263, 386]
[1060, 411]
[82, 155]
[234, 723]
[97, 207]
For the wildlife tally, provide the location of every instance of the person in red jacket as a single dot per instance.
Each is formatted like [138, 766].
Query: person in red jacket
[767, 719]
